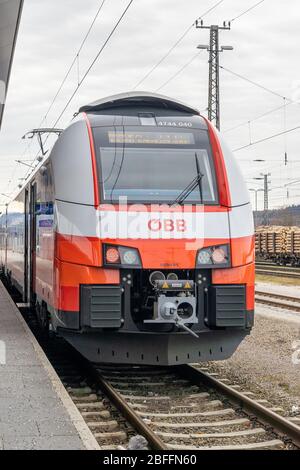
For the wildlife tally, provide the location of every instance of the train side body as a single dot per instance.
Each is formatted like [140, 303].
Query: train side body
[61, 234]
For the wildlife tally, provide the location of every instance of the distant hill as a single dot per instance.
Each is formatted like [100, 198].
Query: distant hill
[289, 216]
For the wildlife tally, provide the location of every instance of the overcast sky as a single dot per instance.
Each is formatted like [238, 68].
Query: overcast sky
[265, 40]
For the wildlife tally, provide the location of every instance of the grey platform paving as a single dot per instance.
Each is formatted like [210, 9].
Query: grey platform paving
[35, 410]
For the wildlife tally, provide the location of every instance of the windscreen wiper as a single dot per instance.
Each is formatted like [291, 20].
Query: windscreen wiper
[200, 176]
[197, 181]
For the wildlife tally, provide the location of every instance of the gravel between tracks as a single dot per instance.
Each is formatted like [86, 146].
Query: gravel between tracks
[263, 363]
[291, 290]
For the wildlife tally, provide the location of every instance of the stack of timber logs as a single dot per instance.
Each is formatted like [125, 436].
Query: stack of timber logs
[277, 240]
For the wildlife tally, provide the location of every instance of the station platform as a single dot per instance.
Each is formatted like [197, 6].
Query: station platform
[36, 411]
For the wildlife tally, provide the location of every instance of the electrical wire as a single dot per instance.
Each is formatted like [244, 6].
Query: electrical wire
[90, 67]
[246, 11]
[163, 58]
[94, 61]
[63, 81]
[75, 59]
[285, 135]
[255, 83]
[245, 123]
[268, 138]
[180, 39]
[210, 9]
[85, 75]
[178, 72]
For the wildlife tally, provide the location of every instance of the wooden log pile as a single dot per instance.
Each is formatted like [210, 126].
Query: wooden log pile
[277, 240]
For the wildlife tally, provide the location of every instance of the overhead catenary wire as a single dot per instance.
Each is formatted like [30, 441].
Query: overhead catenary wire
[164, 57]
[246, 11]
[275, 169]
[249, 121]
[178, 72]
[74, 61]
[263, 87]
[245, 123]
[86, 73]
[283, 106]
[260, 86]
[267, 138]
[92, 64]
[181, 38]
[94, 61]
[285, 135]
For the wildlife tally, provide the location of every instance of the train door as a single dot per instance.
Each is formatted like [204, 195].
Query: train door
[6, 239]
[26, 247]
[32, 241]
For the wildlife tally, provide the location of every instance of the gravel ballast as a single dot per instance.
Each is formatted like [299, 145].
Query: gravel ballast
[263, 363]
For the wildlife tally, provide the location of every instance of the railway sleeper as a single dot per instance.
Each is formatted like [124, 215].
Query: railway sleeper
[96, 415]
[105, 437]
[71, 378]
[103, 425]
[194, 396]
[264, 445]
[85, 399]
[137, 378]
[118, 384]
[218, 435]
[92, 406]
[222, 412]
[203, 406]
[80, 391]
[199, 424]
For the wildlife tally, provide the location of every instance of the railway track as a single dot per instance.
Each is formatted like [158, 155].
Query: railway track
[108, 425]
[185, 408]
[272, 272]
[270, 269]
[272, 263]
[171, 408]
[278, 300]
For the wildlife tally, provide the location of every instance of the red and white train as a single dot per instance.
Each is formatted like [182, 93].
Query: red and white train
[134, 238]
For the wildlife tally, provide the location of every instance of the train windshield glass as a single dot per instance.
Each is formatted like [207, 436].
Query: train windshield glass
[154, 165]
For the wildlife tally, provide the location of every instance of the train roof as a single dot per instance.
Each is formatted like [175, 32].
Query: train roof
[138, 98]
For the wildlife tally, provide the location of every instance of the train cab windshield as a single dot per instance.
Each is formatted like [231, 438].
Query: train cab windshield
[154, 165]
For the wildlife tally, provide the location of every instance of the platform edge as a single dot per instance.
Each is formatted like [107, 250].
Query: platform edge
[85, 434]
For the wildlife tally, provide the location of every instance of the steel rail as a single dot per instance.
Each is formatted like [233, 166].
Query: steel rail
[269, 298]
[279, 267]
[279, 424]
[293, 275]
[131, 416]
[273, 303]
[278, 296]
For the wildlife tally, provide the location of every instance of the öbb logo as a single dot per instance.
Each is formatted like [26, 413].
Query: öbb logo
[167, 225]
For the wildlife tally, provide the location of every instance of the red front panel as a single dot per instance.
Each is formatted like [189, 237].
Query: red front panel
[67, 280]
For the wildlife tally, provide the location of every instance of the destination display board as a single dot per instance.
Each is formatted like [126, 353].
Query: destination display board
[151, 138]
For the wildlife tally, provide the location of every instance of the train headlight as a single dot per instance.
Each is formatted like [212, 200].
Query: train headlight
[112, 256]
[219, 256]
[214, 257]
[121, 257]
[204, 257]
[130, 257]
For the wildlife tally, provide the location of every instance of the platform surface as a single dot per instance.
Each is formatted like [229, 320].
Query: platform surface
[32, 415]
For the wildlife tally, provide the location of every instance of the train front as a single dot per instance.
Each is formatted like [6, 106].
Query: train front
[172, 234]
